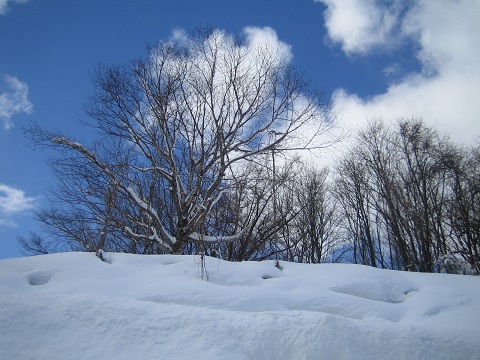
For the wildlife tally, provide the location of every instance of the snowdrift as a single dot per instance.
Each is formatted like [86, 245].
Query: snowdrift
[74, 306]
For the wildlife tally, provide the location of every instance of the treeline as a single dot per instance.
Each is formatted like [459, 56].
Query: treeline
[193, 157]
[410, 199]
[401, 197]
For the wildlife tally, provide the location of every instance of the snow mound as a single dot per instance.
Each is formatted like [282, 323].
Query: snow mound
[74, 306]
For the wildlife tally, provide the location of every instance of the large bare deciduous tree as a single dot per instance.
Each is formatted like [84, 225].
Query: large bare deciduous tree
[174, 130]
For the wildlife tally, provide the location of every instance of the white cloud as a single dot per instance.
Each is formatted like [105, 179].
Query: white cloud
[14, 101]
[13, 202]
[254, 45]
[266, 38]
[4, 5]
[445, 92]
[360, 26]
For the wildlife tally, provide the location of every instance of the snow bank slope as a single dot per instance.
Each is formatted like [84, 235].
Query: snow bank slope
[73, 306]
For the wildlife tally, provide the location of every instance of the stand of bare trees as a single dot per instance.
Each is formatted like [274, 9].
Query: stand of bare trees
[410, 199]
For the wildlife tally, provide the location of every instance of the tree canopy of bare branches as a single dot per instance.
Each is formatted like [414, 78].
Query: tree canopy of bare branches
[408, 196]
[175, 131]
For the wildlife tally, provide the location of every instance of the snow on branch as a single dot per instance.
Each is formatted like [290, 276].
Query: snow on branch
[197, 237]
[165, 240]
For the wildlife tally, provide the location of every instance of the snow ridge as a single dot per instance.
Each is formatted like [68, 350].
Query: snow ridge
[74, 306]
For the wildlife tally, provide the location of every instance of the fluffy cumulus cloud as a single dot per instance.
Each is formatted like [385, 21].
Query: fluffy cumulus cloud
[13, 201]
[256, 47]
[4, 5]
[13, 101]
[445, 32]
[362, 25]
[258, 50]
[266, 38]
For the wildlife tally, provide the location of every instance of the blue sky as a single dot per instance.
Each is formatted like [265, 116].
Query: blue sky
[373, 58]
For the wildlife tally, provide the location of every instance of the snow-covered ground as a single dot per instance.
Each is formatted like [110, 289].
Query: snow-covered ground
[74, 306]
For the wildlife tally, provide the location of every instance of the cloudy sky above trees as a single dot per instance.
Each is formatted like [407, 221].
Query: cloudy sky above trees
[442, 38]
[374, 59]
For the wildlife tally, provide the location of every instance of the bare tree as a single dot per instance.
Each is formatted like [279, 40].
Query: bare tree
[173, 132]
[263, 206]
[464, 206]
[398, 188]
[353, 193]
[317, 223]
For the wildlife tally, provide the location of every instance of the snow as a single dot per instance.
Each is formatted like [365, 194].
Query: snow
[74, 306]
